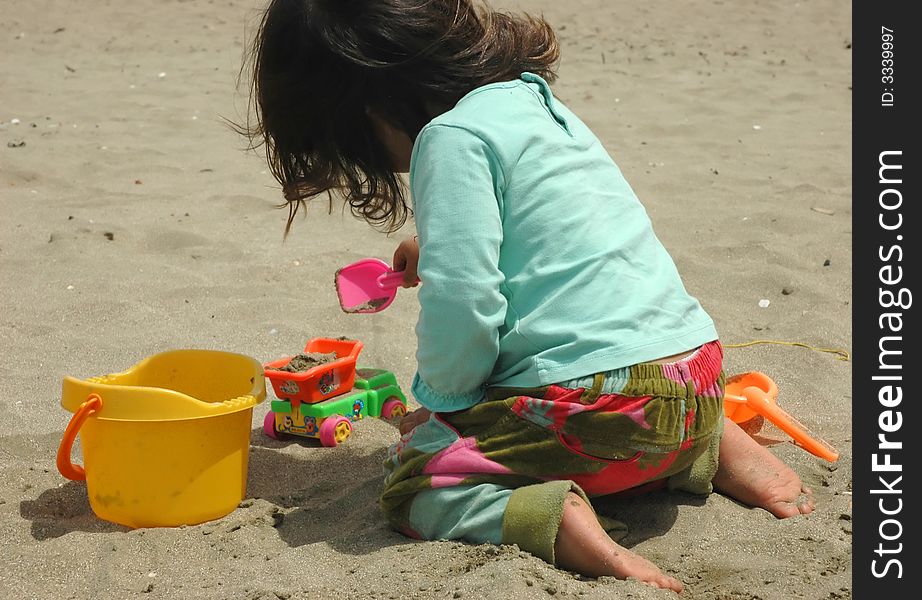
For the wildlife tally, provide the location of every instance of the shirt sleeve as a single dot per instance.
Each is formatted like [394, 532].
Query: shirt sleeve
[455, 181]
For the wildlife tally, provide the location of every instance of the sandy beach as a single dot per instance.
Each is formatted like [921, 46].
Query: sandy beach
[133, 220]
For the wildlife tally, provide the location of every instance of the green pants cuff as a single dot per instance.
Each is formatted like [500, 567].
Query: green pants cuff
[533, 515]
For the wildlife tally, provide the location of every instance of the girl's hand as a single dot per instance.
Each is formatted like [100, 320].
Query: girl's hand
[406, 259]
[410, 420]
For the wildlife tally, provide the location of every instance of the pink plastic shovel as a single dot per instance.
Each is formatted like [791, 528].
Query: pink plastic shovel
[367, 286]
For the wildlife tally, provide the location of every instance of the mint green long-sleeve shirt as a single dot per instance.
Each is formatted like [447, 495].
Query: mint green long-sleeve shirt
[539, 264]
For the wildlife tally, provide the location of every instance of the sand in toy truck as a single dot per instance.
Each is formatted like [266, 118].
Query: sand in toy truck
[325, 398]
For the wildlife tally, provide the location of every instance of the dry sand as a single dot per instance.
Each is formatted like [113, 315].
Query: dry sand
[132, 222]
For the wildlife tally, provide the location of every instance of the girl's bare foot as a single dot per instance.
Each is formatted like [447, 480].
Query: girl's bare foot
[583, 546]
[751, 474]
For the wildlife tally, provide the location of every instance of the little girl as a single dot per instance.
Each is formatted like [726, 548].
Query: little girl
[559, 354]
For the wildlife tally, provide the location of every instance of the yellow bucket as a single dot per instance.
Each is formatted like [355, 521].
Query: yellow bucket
[166, 442]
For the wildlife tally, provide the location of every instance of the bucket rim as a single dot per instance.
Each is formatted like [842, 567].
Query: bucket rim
[75, 390]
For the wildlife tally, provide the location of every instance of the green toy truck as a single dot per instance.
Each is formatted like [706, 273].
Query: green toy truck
[324, 401]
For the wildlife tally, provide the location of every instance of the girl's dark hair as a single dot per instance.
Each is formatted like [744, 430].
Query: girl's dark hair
[319, 68]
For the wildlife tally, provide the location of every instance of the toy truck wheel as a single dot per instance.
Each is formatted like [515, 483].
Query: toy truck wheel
[269, 426]
[334, 431]
[393, 409]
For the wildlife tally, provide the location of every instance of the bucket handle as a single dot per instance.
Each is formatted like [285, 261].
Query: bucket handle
[65, 466]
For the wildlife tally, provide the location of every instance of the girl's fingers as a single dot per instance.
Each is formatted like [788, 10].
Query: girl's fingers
[406, 259]
[407, 424]
[406, 256]
[412, 419]
[410, 277]
[400, 260]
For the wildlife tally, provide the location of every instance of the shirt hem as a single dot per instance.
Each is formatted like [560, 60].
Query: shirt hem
[610, 361]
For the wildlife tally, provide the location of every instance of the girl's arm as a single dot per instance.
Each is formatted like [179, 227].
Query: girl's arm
[455, 182]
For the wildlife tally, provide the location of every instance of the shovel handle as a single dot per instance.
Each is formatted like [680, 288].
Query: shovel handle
[391, 280]
[65, 466]
[758, 402]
